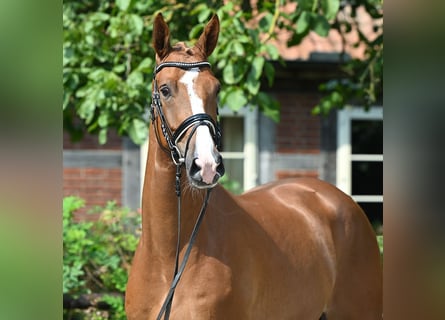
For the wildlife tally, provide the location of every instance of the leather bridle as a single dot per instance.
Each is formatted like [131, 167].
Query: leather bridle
[194, 121]
[172, 138]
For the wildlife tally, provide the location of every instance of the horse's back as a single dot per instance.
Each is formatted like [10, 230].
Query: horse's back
[303, 203]
[324, 241]
[310, 203]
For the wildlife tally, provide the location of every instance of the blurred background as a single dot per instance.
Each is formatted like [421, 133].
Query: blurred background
[302, 90]
[33, 160]
[33, 135]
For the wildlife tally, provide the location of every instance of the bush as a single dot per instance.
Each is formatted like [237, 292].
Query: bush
[97, 255]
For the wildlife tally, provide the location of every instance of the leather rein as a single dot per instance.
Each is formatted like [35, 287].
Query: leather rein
[178, 158]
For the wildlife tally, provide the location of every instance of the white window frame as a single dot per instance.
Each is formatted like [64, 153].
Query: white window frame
[344, 149]
[250, 149]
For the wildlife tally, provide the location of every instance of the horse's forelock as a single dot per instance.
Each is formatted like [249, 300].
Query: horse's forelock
[181, 47]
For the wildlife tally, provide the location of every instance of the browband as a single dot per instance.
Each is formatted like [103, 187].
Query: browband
[182, 65]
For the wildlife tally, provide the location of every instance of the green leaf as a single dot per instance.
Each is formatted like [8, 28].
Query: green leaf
[304, 22]
[123, 4]
[234, 72]
[265, 22]
[103, 120]
[236, 99]
[337, 98]
[71, 204]
[296, 39]
[66, 99]
[97, 75]
[100, 16]
[320, 25]
[221, 63]
[138, 131]
[68, 55]
[198, 8]
[138, 24]
[316, 110]
[103, 136]
[89, 39]
[145, 65]
[252, 84]
[243, 39]
[88, 26]
[204, 15]
[273, 114]
[135, 78]
[119, 68]
[257, 67]
[330, 8]
[238, 49]
[269, 106]
[238, 24]
[196, 31]
[229, 74]
[272, 51]
[269, 70]
[86, 110]
[305, 5]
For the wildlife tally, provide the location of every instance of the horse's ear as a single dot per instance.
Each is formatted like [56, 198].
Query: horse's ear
[209, 38]
[161, 37]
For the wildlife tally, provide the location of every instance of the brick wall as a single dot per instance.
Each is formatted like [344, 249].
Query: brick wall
[96, 186]
[298, 130]
[95, 182]
[297, 136]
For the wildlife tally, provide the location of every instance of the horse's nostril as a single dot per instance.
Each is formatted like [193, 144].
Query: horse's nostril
[219, 159]
[195, 169]
[220, 168]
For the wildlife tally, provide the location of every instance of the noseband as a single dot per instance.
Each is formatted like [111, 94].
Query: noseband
[194, 121]
[172, 139]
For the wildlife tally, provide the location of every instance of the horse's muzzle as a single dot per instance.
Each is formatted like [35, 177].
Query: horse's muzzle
[204, 174]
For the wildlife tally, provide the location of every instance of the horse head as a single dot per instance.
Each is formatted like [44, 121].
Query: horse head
[184, 106]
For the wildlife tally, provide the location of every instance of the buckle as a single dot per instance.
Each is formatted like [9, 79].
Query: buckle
[176, 156]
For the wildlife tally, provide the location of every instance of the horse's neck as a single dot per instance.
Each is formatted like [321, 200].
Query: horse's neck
[160, 203]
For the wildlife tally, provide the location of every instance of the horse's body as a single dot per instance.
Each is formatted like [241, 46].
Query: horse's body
[292, 249]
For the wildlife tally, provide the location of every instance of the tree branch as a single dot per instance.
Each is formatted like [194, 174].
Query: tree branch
[276, 15]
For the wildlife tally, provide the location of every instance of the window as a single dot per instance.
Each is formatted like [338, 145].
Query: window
[240, 147]
[360, 158]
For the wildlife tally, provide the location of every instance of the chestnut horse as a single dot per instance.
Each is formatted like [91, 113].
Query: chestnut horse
[292, 249]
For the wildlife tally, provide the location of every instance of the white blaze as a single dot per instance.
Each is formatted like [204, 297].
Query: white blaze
[204, 142]
[188, 79]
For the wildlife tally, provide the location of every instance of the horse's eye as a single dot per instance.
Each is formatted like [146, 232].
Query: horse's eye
[165, 91]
